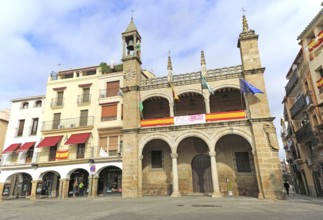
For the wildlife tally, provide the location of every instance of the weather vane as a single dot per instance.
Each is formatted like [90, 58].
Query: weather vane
[132, 11]
[243, 10]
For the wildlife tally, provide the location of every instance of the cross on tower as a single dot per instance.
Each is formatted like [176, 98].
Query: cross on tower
[243, 11]
[132, 11]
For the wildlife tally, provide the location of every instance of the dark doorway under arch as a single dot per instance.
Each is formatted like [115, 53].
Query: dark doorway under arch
[80, 175]
[201, 174]
[110, 181]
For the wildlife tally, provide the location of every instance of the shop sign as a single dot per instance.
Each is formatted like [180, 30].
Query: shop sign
[189, 119]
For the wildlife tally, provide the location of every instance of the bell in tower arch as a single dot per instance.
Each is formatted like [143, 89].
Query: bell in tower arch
[130, 45]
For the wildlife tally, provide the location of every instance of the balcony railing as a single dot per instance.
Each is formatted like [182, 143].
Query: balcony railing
[298, 106]
[82, 99]
[291, 83]
[58, 102]
[304, 133]
[68, 123]
[104, 93]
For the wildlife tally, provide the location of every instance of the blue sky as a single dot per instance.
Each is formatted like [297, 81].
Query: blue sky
[36, 36]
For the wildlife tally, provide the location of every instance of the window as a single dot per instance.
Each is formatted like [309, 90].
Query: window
[38, 104]
[242, 161]
[90, 72]
[21, 128]
[112, 88]
[84, 117]
[68, 76]
[109, 112]
[29, 154]
[86, 95]
[34, 126]
[113, 145]
[56, 121]
[156, 159]
[60, 96]
[24, 105]
[52, 153]
[80, 151]
[321, 72]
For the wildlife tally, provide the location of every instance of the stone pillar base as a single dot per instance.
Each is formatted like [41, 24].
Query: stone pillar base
[260, 196]
[176, 194]
[216, 195]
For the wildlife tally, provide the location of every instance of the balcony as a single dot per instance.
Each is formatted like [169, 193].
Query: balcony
[84, 99]
[298, 108]
[70, 123]
[291, 83]
[305, 134]
[57, 102]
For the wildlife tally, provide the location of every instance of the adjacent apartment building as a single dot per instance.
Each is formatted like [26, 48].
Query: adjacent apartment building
[121, 130]
[302, 131]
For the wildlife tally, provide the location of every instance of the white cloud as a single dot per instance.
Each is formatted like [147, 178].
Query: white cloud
[35, 36]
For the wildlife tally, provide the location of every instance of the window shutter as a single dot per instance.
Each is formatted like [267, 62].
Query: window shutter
[112, 88]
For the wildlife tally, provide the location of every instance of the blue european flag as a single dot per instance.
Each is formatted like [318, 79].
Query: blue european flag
[246, 87]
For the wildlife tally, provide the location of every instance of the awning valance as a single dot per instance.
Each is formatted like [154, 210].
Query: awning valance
[50, 141]
[78, 138]
[26, 146]
[11, 148]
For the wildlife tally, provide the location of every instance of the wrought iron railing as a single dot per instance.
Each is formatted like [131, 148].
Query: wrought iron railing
[68, 123]
[291, 83]
[81, 99]
[57, 102]
[298, 106]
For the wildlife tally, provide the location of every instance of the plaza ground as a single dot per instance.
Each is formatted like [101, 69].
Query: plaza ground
[151, 208]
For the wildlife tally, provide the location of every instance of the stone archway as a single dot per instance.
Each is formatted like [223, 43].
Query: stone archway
[110, 181]
[17, 186]
[193, 162]
[236, 168]
[81, 175]
[49, 185]
[156, 168]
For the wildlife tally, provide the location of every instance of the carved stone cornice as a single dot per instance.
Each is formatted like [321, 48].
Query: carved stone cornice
[260, 120]
[130, 130]
[254, 71]
[130, 88]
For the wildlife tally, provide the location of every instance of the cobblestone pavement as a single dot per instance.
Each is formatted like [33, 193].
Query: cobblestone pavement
[153, 208]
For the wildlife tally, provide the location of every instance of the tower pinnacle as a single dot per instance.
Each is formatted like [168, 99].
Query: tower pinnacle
[245, 24]
[170, 69]
[203, 64]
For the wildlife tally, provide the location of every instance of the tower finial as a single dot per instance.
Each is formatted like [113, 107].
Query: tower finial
[169, 64]
[169, 68]
[203, 64]
[132, 11]
[202, 58]
[245, 27]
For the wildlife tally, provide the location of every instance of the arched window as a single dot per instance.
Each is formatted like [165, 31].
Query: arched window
[24, 105]
[38, 103]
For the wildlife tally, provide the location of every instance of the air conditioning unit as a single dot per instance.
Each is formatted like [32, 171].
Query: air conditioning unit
[60, 126]
[309, 162]
[72, 125]
[102, 96]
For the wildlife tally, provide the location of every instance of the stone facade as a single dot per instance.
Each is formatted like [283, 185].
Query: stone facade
[164, 156]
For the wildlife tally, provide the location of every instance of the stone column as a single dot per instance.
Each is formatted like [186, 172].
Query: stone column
[94, 190]
[176, 192]
[1, 190]
[171, 109]
[215, 179]
[255, 160]
[63, 188]
[140, 158]
[207, 105]
[33, 195]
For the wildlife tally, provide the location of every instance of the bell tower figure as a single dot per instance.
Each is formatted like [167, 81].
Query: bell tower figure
[131, 42]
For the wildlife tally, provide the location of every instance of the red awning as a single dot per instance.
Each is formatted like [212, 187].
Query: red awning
[78, 138]
[11, 148]
[50, 141]
[26, 146]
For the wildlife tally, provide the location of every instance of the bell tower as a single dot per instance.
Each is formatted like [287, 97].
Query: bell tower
[131, 60]
[265, 144]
